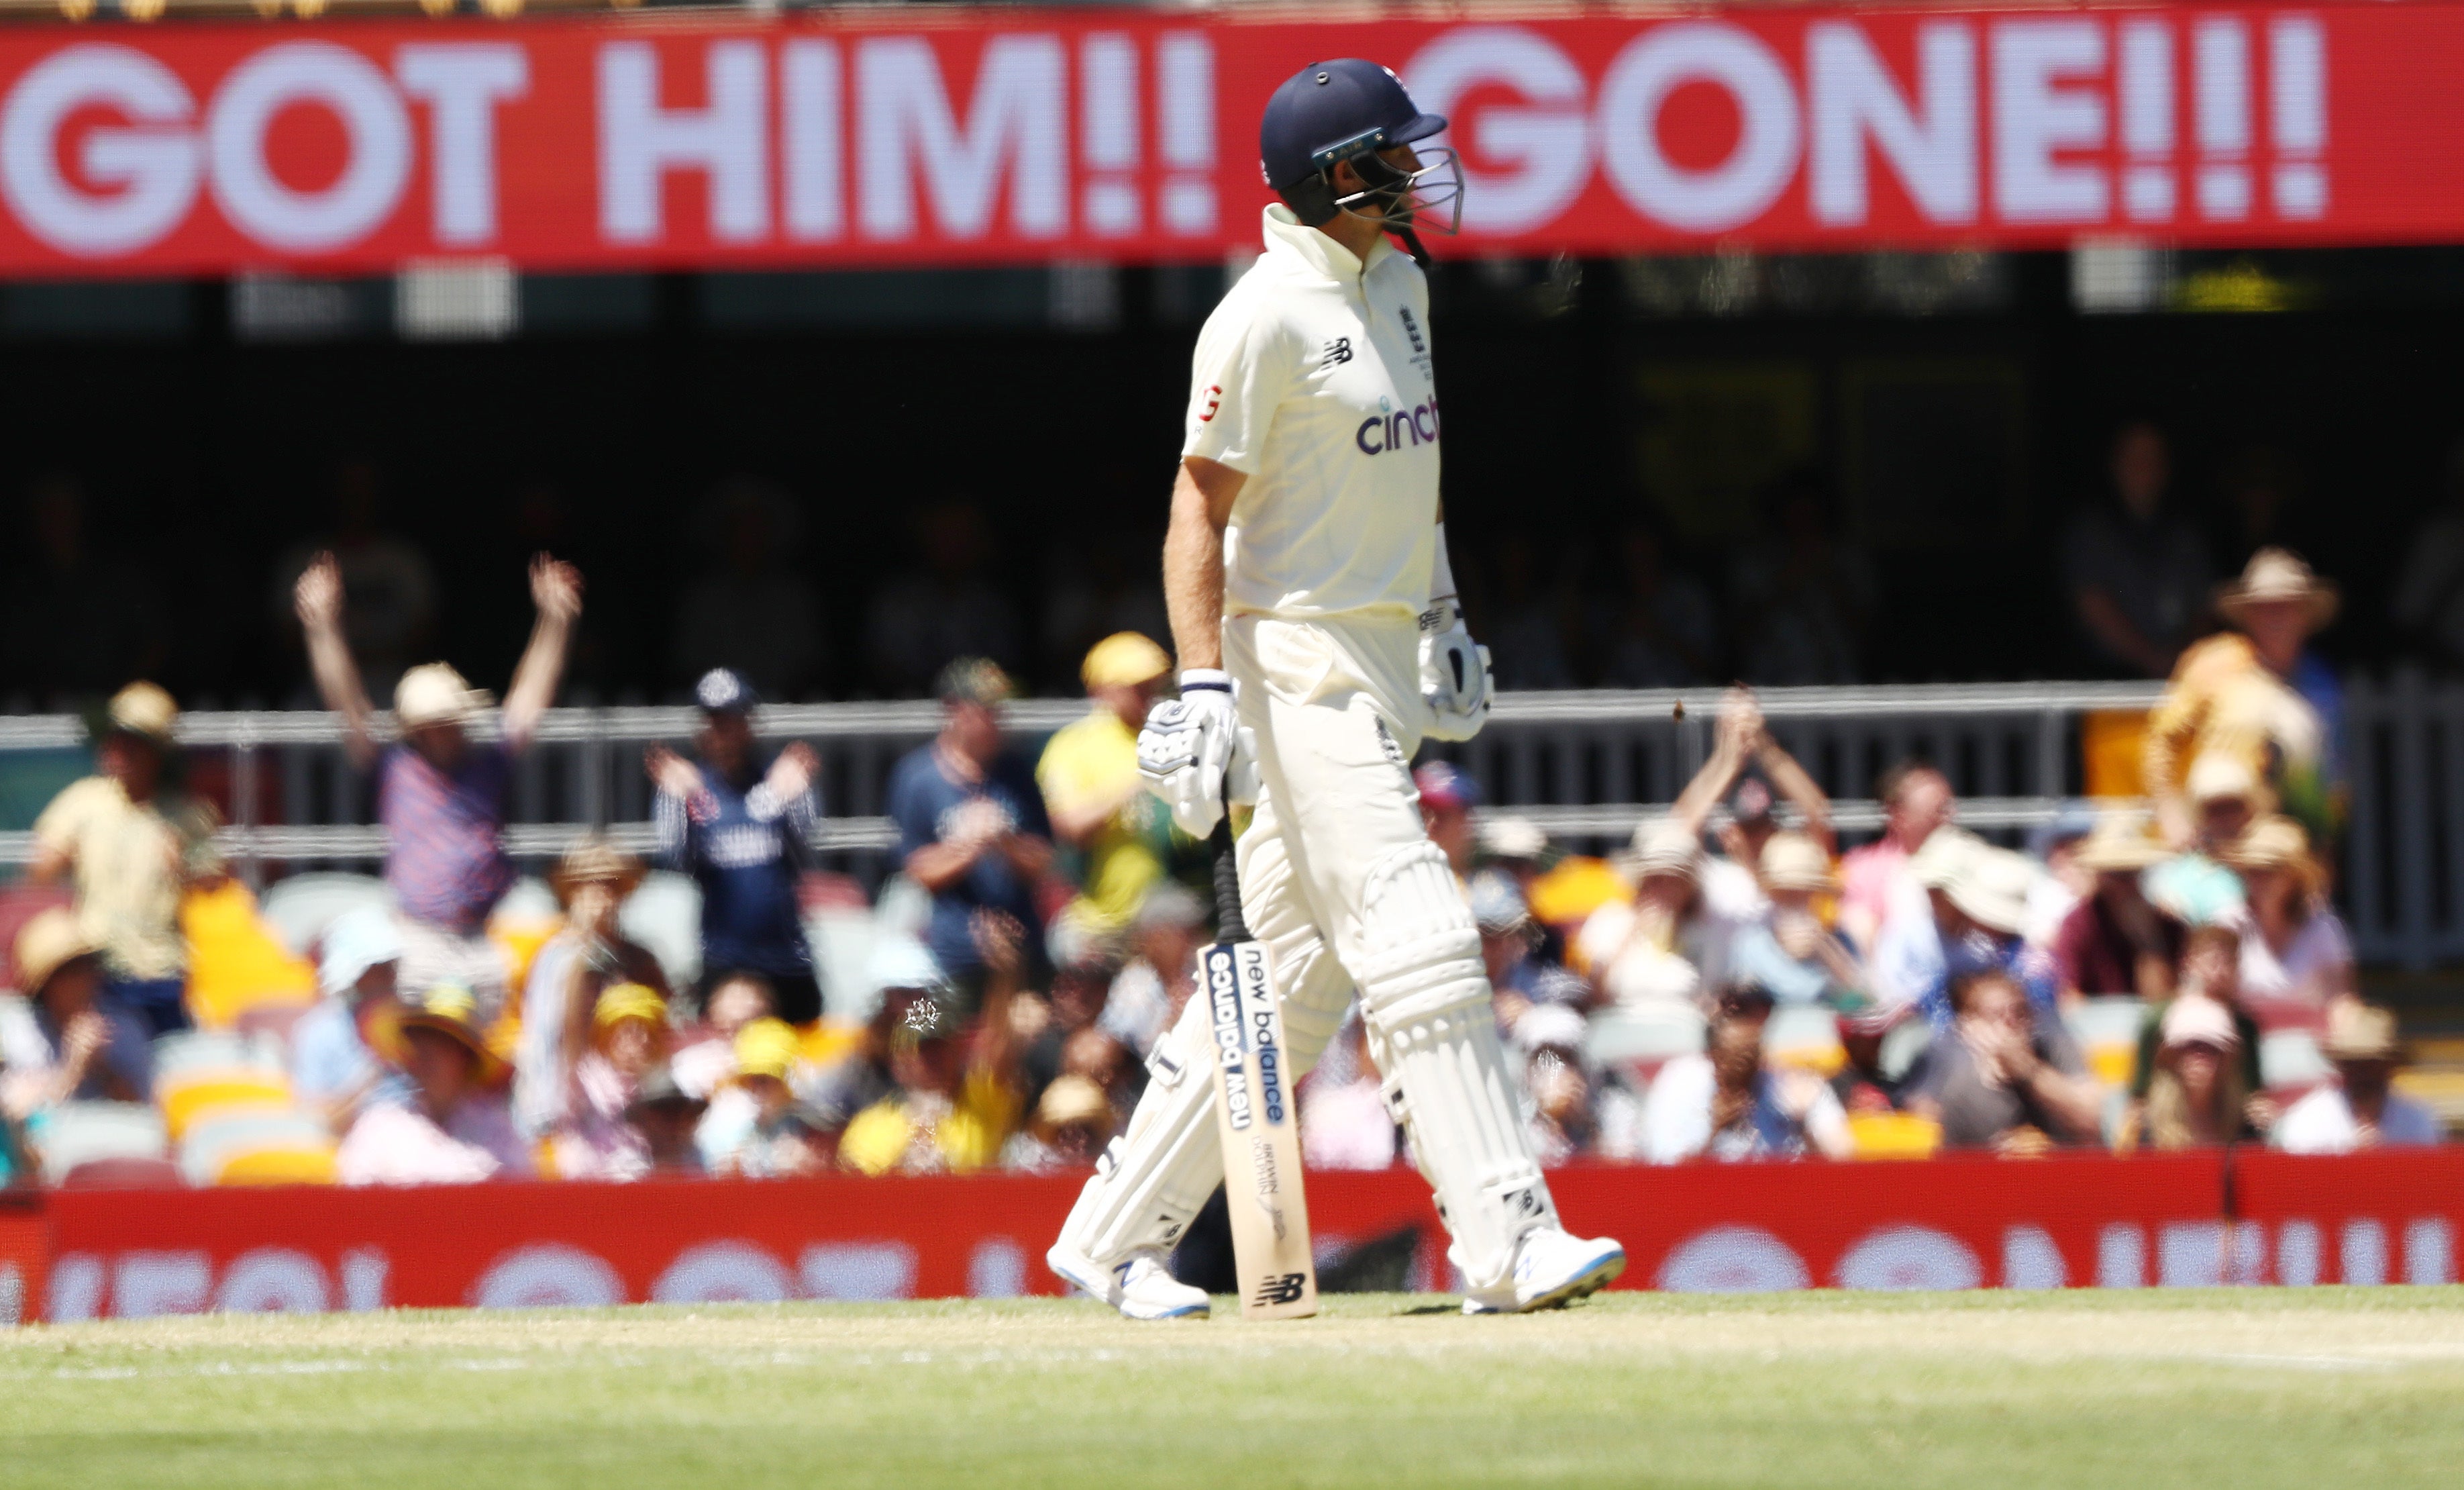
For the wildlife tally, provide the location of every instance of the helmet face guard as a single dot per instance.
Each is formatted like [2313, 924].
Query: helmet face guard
[1429, 194]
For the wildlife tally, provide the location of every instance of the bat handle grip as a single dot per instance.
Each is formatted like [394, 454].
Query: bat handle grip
[1229, 926]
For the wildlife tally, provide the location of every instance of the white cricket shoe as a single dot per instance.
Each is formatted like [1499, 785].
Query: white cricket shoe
[1551, 1269]
[1142, 1288]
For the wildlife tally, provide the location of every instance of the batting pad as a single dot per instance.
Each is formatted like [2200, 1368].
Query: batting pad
[1152, 1180]
[1428, 999]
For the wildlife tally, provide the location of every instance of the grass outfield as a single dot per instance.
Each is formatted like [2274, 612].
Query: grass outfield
[1978, 1391]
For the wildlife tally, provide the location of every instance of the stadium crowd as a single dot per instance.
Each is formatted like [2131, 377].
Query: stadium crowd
[1731, 986]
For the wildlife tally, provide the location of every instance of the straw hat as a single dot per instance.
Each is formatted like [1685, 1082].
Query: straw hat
[2275, 842]
[1512, 837]
[48, 941]
[2215, 776]
[142, 710]
[1794, 861]
[433, 693]
[594, 860]
[1661, 847]
[1073, 1098]
[452, 1012]
[2195, 1019]
[622, 1001]
[766, 1048]
[2120, 842]
[1937, 862]
[1990, 888]
[2278, 574]
[2360, 1031]
[1124, 659]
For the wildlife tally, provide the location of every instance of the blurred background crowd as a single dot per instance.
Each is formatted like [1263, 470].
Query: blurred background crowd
[1738, 984]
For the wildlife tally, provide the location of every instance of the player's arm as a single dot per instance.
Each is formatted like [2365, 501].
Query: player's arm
[1202, 495]
[1454, 668]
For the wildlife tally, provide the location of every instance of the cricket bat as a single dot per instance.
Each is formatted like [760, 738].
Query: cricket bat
[1254, 1111]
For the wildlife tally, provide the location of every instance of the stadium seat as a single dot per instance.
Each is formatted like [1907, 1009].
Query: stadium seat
[2108, 1032]
[301, 907]
[123, 1174]
[259, 1148]
[2289, 1060]
[665, 915]
[204, 1071]
[1805, 1035]
[79, 1133]
[1645, 1036]
[841, 944]
[1894, 1135]
[236, 962]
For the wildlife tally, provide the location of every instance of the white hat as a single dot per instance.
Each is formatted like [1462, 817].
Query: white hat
[1550, 1027]
[2215, 775]
[1991, 889]
[1661, 847]
[1795, 861]
[433, 693]
[1512, 837]
[1937, 862]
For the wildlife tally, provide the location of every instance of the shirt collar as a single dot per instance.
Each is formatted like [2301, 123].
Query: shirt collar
[1329, 259]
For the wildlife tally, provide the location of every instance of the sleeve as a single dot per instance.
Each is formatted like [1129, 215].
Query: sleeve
[910, 811]
[672, 827]
[1244, 367]
[1031, 816]
[60, 823]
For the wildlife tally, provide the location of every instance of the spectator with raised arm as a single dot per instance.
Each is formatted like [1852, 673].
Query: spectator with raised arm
[131, 844]
[440, 792]
[573, 970]
[742, 828]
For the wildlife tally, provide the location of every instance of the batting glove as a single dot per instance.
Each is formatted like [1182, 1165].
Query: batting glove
[1453, 674]
[1186, 747]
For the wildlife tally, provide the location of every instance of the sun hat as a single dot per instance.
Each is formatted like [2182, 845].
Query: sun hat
[358, 938]
[1073, 1098]
[2278, 574]
[723, 690]
[2215, 775]
[1124, 659]
[766, 1048]
[448, 1009]
[2119, 843]
[659, 1089]
[2360, 1031]
[1938, 861]
[1991, 889]
[594, 860]
[1794, 861]
[433, 693]
[622, 1001]
[2195, 1019]
[1445, 785]
[48, 941]
[1550, 1027]
[978, 681]
[1512, 838]
[1497, 902]
[143, 710]
[1661, 847]
[2275, 842]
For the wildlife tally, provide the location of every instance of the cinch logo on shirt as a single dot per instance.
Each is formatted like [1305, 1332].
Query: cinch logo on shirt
[1381, 432]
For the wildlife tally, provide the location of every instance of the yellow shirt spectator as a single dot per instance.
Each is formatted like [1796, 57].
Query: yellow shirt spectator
[916, 1133]
[131, 861]
[1088, 764]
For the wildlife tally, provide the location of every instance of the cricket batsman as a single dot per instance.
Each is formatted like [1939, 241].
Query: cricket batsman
[1316, 615]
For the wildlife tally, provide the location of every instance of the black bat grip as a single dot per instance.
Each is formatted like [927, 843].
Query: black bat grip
[1229, 926]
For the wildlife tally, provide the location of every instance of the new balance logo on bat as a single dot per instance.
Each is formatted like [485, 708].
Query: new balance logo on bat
[1285, 1288]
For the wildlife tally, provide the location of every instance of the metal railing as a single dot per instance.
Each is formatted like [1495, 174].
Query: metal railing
[1585, 767]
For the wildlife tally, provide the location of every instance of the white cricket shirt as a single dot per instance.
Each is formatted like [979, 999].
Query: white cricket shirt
[1313, 378]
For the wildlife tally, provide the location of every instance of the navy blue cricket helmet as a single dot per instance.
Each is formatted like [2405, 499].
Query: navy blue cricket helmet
[1347, 109]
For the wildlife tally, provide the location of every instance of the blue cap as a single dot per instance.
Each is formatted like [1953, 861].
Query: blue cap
[1333, 111]
[724, 691]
